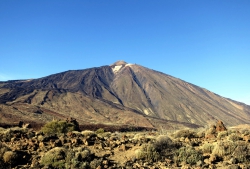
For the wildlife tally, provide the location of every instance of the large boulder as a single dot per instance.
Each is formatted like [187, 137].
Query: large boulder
[220, 126]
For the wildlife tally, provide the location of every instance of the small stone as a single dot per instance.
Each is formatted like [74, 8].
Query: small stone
[199, 163]
[212, 159]
[206, 161]
[99, 167]
[232, 161]
[105, 162]
[123, 147]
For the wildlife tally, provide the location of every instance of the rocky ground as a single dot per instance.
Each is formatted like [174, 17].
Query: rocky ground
[215, 147]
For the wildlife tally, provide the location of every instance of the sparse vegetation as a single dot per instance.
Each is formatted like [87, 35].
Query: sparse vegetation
[10, 157]
[88, 133]
[99, 149]
[78, 158]
[242, 152]
[148, 153]
[207, 148]
[187, 155]
[7, 134]
[234, 137]
[3, 150]
[100, 131]
[58, 127]
[185, 133]
[222, 134]
[223, 149]
[165, 146]
[54, 158]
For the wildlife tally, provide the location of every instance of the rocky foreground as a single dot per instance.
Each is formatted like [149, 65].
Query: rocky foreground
[215, 147]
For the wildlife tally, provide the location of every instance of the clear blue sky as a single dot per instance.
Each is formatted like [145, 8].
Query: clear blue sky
[204, 42]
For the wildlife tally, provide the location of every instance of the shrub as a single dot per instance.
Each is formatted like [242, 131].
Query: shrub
[242, 151]
[207, 148]
[139, 136]
[165, 146]
[201, 133]
[54, 157]
[222, 134]
[58, 158]
[58, 127]
[10, 158]
[78, 158]
[100, 131]
[162, 147]
[105, 135]
[223, 149]
[187, 155]
[95, 163]
[163, 142]
[234, 137]
[245, 132]
[148, 152]
[88, 133]
[3, 149]
[185, 133]
[7, 134]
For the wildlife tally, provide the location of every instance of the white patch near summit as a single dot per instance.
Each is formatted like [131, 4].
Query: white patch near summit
[116, 68]
[129, 64]
[119, 67]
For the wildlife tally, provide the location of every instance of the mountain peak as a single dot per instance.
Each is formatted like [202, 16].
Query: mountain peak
[117, 66]
[119, 63]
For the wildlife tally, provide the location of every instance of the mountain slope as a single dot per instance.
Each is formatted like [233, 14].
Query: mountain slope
[118, 94]
[169, 98]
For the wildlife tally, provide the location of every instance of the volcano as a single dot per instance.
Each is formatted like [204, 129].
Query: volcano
[117, 94]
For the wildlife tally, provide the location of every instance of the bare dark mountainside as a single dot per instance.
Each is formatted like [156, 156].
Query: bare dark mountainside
[117, 94]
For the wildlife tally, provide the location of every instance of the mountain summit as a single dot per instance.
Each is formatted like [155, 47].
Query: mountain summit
[120, 93]
[119, 63]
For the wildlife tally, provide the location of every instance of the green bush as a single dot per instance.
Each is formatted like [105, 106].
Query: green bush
[207, 148]
[201, 134]
[245, 132]
[7, 134]
[148, 152]
[234, 137]
[95, 163]
[58, 127]
[163, 142]
[223, 149]
[100, 131]
[187, 155]
[242, 151]
[165, 146]
[3, 150]
[222, 134]
[11, 158]
[104, 135]
[185, 133]
[162, 147]
[78, 158]
[55, 158]
[88, 133]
